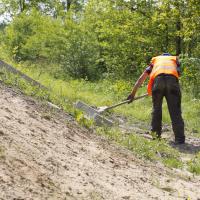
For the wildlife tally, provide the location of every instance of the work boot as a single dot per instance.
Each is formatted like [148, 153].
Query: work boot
[179, 142]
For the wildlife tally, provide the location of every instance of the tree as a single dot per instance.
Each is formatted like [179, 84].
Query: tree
[114, 38]
[50, 7]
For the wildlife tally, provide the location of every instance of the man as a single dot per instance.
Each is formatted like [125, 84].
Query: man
[164, 71]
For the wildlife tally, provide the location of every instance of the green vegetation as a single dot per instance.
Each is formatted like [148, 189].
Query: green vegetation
[194, 165]
[153, 150]
[95, 50]
[100, 39]
[108, 92]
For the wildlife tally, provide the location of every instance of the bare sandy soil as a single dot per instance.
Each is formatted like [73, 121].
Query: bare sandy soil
[44, 154]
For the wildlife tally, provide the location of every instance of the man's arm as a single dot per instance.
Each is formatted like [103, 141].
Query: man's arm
[138, 83]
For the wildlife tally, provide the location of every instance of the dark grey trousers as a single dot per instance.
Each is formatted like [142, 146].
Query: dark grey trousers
[167, 86]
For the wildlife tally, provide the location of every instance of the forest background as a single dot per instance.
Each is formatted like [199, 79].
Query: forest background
[101, 39]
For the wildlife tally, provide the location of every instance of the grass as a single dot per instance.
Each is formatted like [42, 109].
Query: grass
[194, 165]
[154, 150]
[108, 92]
[64, 93]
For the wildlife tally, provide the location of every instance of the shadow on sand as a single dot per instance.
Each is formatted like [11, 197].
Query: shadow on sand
[188, 147]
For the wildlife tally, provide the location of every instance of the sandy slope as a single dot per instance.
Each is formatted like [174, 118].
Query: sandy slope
[46, 155]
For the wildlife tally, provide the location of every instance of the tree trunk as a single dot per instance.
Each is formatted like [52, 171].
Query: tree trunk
[22, 5]
[166, 36]
[69, 2]
[178, 38]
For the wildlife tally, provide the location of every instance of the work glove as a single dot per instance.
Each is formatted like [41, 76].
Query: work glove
[130, 98]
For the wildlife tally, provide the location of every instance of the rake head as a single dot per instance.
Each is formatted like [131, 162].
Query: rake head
[93, 114]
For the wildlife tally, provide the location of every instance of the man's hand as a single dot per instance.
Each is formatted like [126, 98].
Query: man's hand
[130, 97]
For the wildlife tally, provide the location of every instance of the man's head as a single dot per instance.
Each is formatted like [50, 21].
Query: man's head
[166, 54]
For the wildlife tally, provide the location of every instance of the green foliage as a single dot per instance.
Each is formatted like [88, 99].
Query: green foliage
[108, 92]
[121, 47]
[153, 150]
[80, 56]
[100, 39]
[191, 73]
[82, 120]
[16, 81]
[194, 165]
[173, 162]
[49, 7]
[34, 37]
[41, 39]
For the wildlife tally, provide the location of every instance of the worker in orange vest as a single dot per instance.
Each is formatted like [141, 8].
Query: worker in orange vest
[164, 71]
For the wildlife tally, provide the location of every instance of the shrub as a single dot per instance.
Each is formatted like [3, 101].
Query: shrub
[191, 73]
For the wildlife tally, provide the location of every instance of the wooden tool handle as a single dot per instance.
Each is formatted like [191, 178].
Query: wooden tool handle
[126, 101]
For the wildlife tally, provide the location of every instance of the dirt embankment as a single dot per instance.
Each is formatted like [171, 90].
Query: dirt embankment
[46, 155]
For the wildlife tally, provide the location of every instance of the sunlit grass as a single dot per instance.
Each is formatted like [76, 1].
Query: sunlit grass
[109, 92]
[194, 165]
[154, 150]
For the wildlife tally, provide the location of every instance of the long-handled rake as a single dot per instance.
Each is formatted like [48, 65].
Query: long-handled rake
[95, 114]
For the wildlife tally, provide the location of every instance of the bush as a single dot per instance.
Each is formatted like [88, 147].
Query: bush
[38, 38]
[34, 37]
[191, 73]
[81, 55]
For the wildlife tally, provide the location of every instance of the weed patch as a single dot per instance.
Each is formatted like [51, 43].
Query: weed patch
[154, 150]
[82, 120]
[194, 165]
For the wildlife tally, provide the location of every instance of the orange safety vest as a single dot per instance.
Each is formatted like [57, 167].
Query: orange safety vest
[162, 65]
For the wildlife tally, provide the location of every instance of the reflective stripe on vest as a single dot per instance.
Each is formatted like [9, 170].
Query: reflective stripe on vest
[162, 65]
